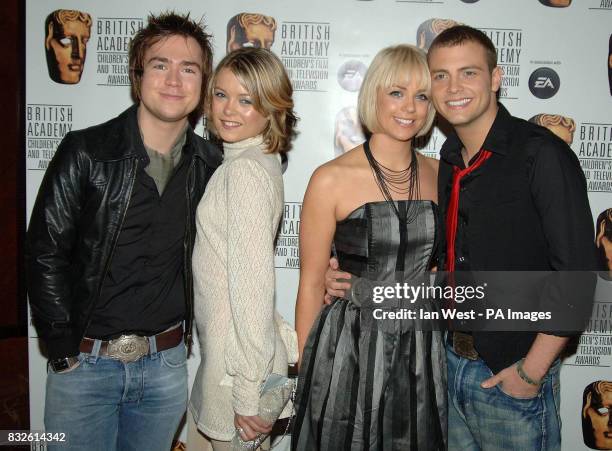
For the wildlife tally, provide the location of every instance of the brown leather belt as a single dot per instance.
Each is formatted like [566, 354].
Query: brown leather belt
[463, 345]
[129, 348]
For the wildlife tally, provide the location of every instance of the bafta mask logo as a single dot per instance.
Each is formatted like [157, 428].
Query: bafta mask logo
[610, 64]
[563, 127]
[597, 415]
[431, 28]
[603, 241]
[347, 130]
[67, 32]
[250, 30]
[556, 3]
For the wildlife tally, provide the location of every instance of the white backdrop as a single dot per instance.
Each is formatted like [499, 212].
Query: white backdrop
[326, 46]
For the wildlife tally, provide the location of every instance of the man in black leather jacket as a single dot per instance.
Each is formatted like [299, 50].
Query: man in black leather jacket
[109, 252]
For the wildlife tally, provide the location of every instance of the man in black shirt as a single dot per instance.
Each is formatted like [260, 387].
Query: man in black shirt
[512, 197]
[109, 252]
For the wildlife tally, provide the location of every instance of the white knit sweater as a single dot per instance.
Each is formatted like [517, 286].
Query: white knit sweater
[233, 270]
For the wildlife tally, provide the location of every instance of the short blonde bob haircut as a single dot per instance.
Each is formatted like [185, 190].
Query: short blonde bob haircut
[397, 64]
[264, 77]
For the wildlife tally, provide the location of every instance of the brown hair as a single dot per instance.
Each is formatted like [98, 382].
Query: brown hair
[264, 77]
[460, 34]
[161, 27]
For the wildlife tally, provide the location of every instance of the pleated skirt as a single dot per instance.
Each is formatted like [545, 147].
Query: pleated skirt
[370, 385]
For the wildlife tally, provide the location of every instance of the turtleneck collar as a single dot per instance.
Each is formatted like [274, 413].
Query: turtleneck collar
[232, 150]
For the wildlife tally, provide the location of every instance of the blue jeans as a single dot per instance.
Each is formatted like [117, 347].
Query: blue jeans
[491, 420]
[106, 405]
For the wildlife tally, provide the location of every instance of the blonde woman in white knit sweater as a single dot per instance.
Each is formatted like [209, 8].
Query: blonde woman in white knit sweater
[250, 109]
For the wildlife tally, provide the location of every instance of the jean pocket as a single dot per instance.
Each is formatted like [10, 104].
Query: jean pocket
[175, 357]
[527, 400]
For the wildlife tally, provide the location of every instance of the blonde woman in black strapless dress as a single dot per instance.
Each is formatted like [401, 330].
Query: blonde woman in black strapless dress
[366, 384]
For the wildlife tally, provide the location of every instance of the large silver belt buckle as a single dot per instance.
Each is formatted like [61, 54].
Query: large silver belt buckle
[128, 348]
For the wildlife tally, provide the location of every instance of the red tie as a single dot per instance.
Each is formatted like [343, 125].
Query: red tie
[452, 213]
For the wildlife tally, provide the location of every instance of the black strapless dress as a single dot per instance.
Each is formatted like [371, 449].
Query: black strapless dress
[371, 385]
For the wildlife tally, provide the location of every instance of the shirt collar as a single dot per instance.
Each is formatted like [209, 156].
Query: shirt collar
[496, 141]
[178, 148]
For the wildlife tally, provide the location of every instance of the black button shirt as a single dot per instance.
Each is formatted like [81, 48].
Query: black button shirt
[466, 203]
[144, 289]
[525, 209]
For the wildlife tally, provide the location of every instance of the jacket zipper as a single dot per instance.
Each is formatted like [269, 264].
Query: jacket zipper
[113, 247]
[188, 277]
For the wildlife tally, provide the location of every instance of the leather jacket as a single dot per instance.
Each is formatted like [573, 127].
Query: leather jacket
[76, 220]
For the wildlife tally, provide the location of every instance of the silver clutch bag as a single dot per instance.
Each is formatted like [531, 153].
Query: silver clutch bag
[275, 394]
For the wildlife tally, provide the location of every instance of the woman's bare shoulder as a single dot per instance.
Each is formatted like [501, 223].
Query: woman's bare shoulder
[340, 167]
[429, 163]
[350, 158]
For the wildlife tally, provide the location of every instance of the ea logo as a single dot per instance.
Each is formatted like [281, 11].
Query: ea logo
[544, 83]
[350, 75]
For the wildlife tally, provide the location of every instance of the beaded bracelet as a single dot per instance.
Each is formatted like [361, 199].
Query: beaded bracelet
[524, 376]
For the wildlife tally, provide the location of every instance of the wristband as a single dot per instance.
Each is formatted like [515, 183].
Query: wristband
[524, 376]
